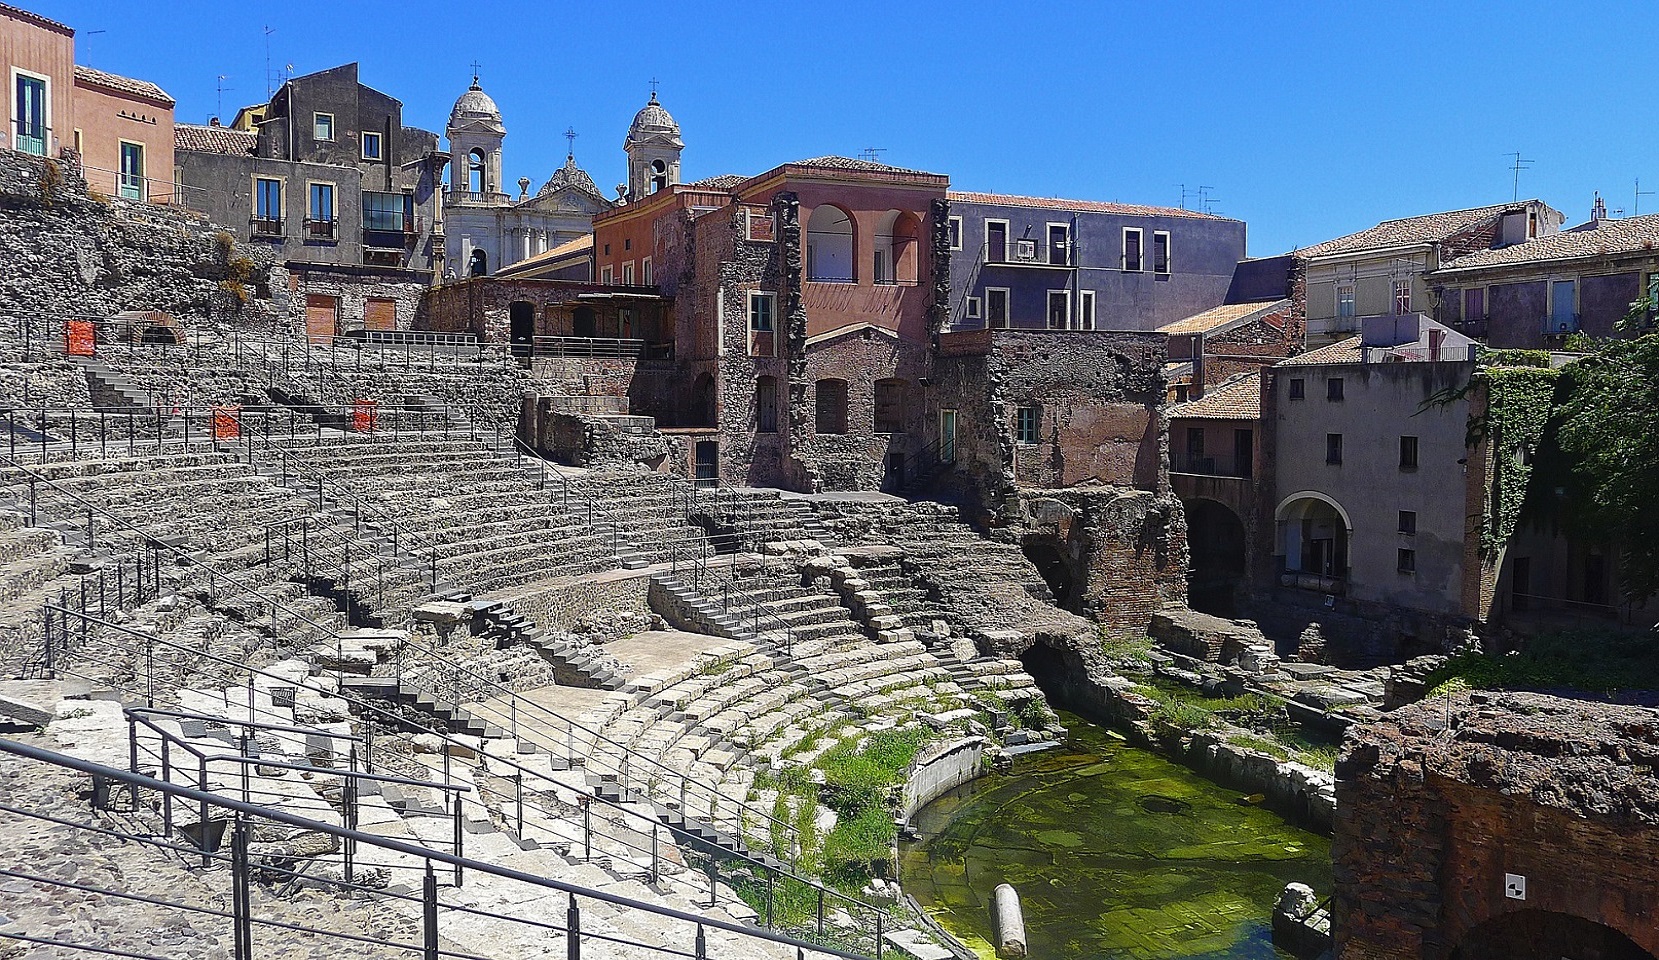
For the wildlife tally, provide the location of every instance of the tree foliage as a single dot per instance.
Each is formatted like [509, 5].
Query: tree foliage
[1606, 455]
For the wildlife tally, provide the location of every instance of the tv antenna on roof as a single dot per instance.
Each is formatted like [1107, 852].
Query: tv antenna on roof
[269, 76]
[222, 89]
[872, 154]
[84, 34]
[1636, 208]
[1519, 165]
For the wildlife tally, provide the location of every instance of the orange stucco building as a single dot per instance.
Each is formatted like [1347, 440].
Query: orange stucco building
[122, 128]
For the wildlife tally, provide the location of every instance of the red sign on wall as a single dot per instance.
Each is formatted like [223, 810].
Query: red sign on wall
[225, 424]
[363, 415]
[80, 338]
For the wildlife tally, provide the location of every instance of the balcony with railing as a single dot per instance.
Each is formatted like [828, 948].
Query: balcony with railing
[1213, 466]
[319, 229]
[393, 233]
[1026, 252]
[266, 226]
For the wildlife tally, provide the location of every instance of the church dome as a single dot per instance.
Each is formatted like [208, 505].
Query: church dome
[653, 121]
[475, 105]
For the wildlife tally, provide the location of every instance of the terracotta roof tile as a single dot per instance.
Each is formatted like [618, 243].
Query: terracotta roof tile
[848, 163]
[1221, 316]
[36, 19]
[114, 81]
[1089, 206]
[725, 181]
[1422, 229]
[1237, 399]
[198, 138]
[1346, 351]
[1598, 238]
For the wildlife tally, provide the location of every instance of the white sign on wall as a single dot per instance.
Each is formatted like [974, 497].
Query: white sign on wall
[1514, 886]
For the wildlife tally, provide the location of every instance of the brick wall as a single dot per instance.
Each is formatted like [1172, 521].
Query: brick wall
[1439, 804]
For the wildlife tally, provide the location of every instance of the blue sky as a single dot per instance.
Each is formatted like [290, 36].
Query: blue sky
[1308, 120]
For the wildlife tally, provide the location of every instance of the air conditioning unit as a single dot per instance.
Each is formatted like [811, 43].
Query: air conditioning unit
[1025, 251]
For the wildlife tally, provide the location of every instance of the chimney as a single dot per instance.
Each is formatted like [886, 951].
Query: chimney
[214, 122]
[1598, 213]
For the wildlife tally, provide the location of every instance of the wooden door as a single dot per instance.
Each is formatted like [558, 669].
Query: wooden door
[379, 314]
[322, 317]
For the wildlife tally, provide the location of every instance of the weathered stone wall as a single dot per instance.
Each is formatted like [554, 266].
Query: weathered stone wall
[1097, 395]
[1443, 803]
[354, 286]
[585, 440]
[63, 251]
[1125, 551]
[569, 605]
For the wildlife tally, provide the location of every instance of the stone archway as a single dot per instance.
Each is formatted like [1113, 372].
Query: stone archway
[1051, 558]
[1216, 557]
[1545, 935]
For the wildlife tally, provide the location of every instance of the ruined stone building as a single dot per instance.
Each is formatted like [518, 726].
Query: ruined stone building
[337, 187]
[489, 228]
[121, 128]
[1497, 826]
[1035, 262]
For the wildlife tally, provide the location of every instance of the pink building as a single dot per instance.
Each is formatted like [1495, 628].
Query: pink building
[122, 128]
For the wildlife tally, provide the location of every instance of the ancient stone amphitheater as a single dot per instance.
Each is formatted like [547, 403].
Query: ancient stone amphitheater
[391, 684]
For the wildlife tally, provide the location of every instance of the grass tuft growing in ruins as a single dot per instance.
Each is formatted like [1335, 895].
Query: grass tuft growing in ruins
[1126, 651]
[1585, 660]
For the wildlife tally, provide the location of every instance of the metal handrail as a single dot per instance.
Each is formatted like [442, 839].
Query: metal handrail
[397, 719]
[140, 781]
[501, 690]
[486, 683]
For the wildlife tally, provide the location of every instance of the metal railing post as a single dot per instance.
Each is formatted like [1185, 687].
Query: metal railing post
[429, 914]
[242, 899]
[456, 808]
[573, 930]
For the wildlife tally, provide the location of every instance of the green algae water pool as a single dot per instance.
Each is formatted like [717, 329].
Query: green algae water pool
[1115, 852]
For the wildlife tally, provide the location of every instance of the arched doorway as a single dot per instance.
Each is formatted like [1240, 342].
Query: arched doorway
[1312, 536]
[1215, 553]
[1546, 935]
[1049, 557]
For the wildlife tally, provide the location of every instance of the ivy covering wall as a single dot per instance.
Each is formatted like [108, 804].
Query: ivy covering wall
[1520, 400]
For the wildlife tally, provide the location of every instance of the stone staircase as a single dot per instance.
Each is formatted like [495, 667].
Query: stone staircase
[574, 665]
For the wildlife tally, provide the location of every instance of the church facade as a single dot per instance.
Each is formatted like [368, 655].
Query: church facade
[486, 227]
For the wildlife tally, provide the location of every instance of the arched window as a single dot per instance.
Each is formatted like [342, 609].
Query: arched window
[897, 253]
[704, 402]
[480, 263]
[831, 399]
[829, 245]
[659, 175]
[766, 404]
[476, 178]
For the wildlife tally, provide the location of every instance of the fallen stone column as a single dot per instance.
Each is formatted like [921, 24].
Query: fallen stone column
[1008, 921]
